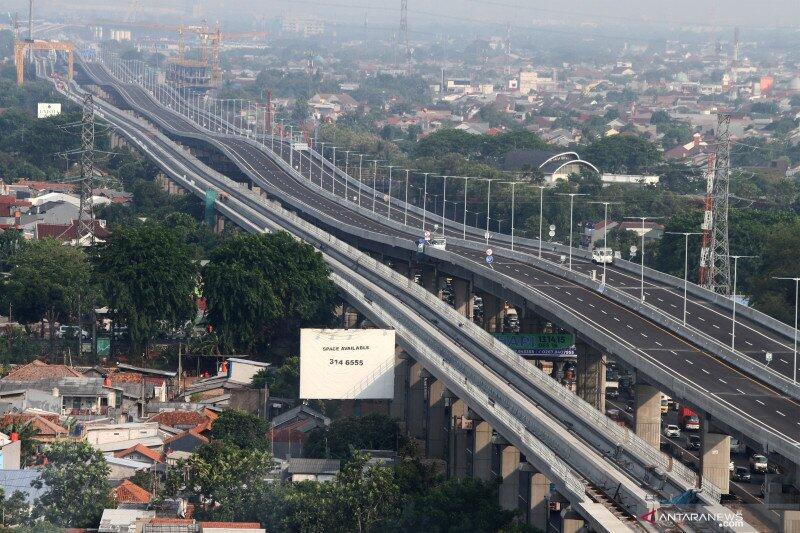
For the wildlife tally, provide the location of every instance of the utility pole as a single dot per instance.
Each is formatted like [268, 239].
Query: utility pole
[719, 279]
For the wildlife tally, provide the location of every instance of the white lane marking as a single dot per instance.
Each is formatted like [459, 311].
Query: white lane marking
[701, 319]
[603, 311]
[716, 326]
[658, 343]
[723, 381]
[691, 363]
[705, 371]
[780, 413]
[642, 334]
[616, 318]
[762, 403]
[673, 305]
[741, 391]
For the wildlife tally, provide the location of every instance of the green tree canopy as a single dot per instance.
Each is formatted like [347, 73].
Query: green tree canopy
[241, 429]
[622, 153]
[371, 432]
[46, 281]
[76, 485]
[282, 382]
[259, 285]
[148, 277]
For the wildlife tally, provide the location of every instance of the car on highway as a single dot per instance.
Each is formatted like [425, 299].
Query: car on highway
[758, 463]
[693, 442]
[672, 431]
[440, 243]
[603, 255]
[741, 473]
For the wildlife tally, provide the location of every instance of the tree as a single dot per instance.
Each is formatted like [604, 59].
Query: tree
[47, 280]
[455, 505]
[622, 153]
[283, 382]
[659, 117]
[14, 510]
[148, 277]
[11, 242]
[365, 495]
[447, 141]
[300, 111]
[259, 285]
[27, 434]
[371, 432]
[223, 480]
[75, 479]
[241, 429]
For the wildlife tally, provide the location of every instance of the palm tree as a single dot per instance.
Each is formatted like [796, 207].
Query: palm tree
[27, 435]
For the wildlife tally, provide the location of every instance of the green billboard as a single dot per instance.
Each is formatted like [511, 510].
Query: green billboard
[539, 344]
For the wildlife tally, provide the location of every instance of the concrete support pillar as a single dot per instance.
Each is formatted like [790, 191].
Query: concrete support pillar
[791, 522]
[647, 414]
[416, 402]
[219, 225]
[538, 501]
[509, 469]
[436, 434]
[255, 188]
[462, 297]
[571, 521]
[715, 458]
[591, 376]
[457, 445]
[397, 409]
[492, 313]
[482, 451]
[430, 279]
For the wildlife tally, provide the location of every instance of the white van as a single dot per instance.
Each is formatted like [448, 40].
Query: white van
[440, 243]
[603, 255]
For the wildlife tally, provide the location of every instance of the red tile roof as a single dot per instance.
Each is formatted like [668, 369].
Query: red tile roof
[141, 450]
[231, 525]
[67, 232]
[193, 432]
[177, 419]
[129, 492]
[159, 521]
[39, 370]
[47, 185]
[46, 425]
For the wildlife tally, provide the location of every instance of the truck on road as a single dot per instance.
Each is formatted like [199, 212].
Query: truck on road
[688, 419]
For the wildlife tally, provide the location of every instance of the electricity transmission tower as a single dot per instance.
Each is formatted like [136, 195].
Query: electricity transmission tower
[404, 33]
[85, 210]
[719, 279]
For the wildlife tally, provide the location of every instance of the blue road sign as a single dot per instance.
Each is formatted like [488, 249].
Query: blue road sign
[490, 259]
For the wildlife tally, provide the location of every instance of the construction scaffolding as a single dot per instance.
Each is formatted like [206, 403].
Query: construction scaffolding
[203, 73]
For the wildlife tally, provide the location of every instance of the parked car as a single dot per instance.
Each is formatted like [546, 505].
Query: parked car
[672, 431]
[693, 442]
[741, 473]
[758, 463]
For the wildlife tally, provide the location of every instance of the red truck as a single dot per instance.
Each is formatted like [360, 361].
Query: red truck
[688, 419]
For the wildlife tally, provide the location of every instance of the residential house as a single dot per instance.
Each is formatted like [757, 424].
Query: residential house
[78, 396]
[188, 441]
[290, 430]
[68, 233]
[321, 470]
[47, 425]
[37, 370]
[130, 492]
[141, 453]
[120, 468]
[118, 437]
[20, 398]
[185, 420]
[124, 520]
[331, 106]
[242, 370]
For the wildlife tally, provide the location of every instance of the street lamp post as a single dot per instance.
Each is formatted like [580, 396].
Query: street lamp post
[541, 212]
[374, 182]
[733, 296]
[444, 201]
[643, 231]
[321, 163]
[796, 289]
[572, 196]
[464, 221]
[686, 235]
[389, 201]
[405, 211]
[605, 233]
[360, 176]
[346, 171]
[424, 199]
[488, 205]
[333, 175]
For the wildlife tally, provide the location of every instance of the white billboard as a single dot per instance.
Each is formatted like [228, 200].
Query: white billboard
[347, 364]
[44, 110]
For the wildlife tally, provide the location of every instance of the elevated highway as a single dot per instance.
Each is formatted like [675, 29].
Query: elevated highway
[516, 386]
[683, 361]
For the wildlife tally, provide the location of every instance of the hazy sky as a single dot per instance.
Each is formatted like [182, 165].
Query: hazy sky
[716, 12]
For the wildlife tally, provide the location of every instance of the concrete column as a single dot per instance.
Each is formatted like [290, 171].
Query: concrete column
[647, 414]
[715, 458]
[509, 469]
[462, 299]
[436, 433]
[538, 501]
[430, 279]
[571, 521]
[482, 451]
[416, 402]
[219, 227]
[397, 408]
[457, 445]
[591, 376]
[791, 522]
[492, 313]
